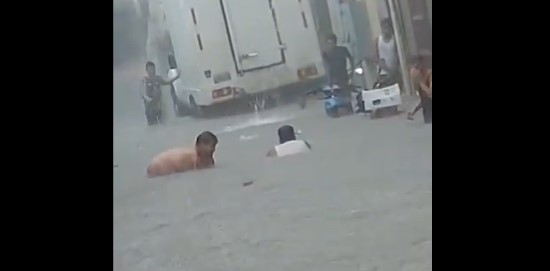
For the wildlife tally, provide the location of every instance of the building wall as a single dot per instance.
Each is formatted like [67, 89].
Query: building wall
[129, 33]
[419, 18]
[429, 5]
[410, 41]
[378, 10]
[403, 10]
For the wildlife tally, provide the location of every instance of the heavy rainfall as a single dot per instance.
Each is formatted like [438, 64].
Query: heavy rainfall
[272, 135]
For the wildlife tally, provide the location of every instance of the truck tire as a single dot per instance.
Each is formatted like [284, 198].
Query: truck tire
[332, 112]
[270, 102]
[196, 110]
[180, 109]
[394, 110]
[302, 101]
[349, 107]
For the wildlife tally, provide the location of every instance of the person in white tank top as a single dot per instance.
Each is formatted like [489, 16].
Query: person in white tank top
[386, 54]
[288, 143]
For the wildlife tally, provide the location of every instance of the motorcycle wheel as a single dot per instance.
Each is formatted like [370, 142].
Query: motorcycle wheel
[181, 109]
[333, 112]
[302, 102]
[349, 107]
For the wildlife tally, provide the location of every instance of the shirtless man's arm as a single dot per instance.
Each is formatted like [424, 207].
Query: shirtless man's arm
[170, 162]
[426, 84]
[414, 76]
[187, 161]
[429, 87]
[417, 78]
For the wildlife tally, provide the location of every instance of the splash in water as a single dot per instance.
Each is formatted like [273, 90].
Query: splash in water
[257, 120]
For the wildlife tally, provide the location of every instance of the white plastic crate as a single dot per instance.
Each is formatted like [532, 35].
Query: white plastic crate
[382, 97]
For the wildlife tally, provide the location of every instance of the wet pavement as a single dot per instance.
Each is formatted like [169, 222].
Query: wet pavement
[360, 200]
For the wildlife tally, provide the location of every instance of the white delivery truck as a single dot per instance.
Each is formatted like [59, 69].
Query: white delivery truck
[228, 49]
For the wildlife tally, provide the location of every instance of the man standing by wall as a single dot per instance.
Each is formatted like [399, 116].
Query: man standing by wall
[386, 55]
[336, 58]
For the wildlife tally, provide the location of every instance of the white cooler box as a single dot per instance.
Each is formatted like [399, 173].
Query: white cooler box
[381, 97]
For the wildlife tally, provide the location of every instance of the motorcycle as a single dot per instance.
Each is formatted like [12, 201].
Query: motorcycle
[335, 103]
[336, 99]
[383, 99]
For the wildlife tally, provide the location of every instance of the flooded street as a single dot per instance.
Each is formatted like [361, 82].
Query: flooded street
[360, 200]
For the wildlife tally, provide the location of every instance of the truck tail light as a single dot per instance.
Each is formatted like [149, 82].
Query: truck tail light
[222, 92]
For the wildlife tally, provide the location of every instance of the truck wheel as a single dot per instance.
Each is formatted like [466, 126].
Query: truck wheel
[375, 113]
[333, 112]
[181, 109]
[349, 107]
[196, 110]
[270, 102]
[302, 101]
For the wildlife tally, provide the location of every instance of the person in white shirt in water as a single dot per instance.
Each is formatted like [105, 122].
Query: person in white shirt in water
[288, 145]
[386, 55]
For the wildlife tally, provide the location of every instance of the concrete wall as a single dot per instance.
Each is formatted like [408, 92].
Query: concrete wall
[367, 28]
[429, 5]
[410, 41]
[129, 32]
[378, 10]
[372, 7]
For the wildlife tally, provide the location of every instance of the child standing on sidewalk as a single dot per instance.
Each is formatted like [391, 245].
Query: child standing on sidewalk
[421, 76]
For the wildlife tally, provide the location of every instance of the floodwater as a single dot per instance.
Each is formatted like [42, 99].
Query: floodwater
[360, 200]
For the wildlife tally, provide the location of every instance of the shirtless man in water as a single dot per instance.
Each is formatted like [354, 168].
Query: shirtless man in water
[180, 159]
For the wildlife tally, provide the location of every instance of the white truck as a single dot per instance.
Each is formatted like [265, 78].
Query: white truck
[227, 49]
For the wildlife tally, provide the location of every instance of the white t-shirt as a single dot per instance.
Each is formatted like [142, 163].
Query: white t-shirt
[291, 147]
[388, 52]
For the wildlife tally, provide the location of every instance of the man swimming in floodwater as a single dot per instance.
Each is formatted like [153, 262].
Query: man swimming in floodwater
[288, 143]
[181, 159]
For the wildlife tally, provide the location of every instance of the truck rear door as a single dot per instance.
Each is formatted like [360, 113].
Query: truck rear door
[253, 34]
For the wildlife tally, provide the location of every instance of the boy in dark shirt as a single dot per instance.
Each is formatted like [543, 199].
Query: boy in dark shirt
[151, 93]
[336, 58]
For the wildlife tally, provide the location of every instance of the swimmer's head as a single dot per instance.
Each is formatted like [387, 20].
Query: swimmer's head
[206, 143]
[286, 133]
